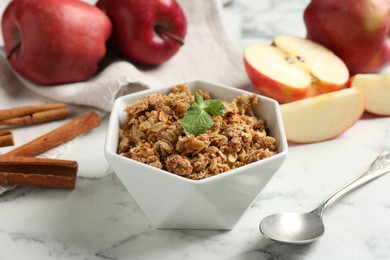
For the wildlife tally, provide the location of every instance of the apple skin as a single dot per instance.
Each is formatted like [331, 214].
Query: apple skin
[274, 89]
[294, 68]
[134, 31]
[355, 30]
[59, 41]
[283, 93]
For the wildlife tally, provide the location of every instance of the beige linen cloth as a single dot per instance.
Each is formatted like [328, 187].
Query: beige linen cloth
[208, 53]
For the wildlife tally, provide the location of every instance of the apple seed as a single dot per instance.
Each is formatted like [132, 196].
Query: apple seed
[290, 60]
[300, 58]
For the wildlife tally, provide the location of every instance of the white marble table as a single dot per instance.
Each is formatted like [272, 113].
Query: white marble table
[99, 219]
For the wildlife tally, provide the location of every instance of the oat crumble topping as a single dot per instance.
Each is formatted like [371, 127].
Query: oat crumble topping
[153, 135]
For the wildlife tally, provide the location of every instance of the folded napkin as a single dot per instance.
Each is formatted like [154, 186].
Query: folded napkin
[208, 53]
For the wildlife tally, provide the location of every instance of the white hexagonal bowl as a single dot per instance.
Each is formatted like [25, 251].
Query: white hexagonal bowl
[174, 202]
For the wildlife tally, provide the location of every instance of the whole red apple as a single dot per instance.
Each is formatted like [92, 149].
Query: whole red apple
[148, 32]
[355, 30]
[54, 42]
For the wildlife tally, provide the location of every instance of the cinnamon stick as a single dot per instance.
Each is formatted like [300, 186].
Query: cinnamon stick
[28, 110]
[44, 172]
[57, 136]
[37, 117]
[6, 138]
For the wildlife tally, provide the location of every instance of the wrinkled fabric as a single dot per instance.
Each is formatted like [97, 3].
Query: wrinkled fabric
[208, 53]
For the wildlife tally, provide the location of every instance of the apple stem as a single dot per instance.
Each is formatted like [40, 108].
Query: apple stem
[161, 31]
[17, 46]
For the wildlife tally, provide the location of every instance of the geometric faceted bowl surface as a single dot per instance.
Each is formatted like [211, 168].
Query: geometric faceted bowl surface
[174, 202]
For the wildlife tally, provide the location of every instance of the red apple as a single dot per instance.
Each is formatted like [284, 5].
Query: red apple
[148, 32]
[294, 68]
[355, 30]
[54, 42]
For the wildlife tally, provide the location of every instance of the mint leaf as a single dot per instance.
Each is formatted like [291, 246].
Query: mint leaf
[198, 117]
[196, 121]
[198, 100]
[214, 107]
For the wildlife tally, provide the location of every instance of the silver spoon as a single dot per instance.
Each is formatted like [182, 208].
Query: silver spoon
[295, 228]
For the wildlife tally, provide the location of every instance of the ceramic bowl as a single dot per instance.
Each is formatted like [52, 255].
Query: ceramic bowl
[174, 202]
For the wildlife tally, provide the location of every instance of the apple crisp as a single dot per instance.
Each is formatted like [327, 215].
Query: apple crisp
[153, 134]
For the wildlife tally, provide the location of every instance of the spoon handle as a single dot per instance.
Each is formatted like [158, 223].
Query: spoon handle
[379, 167]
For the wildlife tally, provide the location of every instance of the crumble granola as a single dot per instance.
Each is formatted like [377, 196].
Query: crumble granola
[153, 134]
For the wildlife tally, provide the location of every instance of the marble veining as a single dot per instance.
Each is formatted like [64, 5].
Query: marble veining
[260, 21]
[100, 220]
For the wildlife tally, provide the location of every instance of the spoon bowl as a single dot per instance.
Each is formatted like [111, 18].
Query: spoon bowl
[293, 228]
[296, 228]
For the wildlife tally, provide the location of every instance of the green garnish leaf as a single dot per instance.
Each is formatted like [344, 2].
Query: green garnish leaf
[196, 121]
[198, 117]
[214, 107]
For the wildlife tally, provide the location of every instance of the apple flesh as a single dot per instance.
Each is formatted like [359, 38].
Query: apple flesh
[53, 42]
[355, 30]
[148, 32]
[294, 68]
[376, 89]
[322, 117]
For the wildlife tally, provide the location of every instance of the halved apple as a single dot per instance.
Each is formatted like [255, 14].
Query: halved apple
[294, 68]
[376, 89]
[322, 117]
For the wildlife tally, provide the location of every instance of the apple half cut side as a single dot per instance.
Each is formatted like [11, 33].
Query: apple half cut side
[376, 89]
[275, 74]
[294, 68]
[322, 117]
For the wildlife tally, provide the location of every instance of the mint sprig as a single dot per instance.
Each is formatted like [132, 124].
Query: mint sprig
[198, 117]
